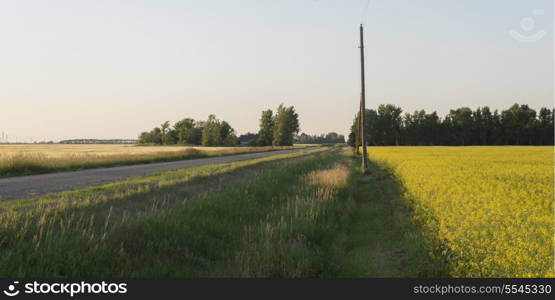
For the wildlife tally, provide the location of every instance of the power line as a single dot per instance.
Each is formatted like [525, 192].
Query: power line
[364, 12]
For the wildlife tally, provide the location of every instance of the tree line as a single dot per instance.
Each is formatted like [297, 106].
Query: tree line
[329, 138]
[517, 125]
[211, 132]
[249, 138]
[96, 141]
[276, 130]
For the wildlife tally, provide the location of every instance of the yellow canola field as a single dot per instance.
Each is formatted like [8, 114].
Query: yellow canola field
[491, 207]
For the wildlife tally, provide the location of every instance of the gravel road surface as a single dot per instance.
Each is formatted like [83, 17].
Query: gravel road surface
[24, 186]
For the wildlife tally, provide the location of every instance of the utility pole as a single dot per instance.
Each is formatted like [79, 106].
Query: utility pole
[362, 103]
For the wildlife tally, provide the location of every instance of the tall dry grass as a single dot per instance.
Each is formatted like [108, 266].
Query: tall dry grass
[335, 177]
[21, 162]
[285, 242]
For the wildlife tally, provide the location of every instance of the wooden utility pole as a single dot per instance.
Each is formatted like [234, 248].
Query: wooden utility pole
[362, 102]
[359, 128]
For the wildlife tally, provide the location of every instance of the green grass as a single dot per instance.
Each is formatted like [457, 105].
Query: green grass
[307, 216]
[383, 238]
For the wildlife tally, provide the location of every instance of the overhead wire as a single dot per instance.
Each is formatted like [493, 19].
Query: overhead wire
[364, 12]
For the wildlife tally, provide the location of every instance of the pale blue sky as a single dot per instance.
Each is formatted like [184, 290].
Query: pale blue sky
[113, 68]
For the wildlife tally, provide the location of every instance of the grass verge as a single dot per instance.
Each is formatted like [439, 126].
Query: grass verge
[311, 216]
[384, 239]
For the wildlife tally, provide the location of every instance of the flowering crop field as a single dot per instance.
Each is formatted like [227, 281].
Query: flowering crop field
[490, 207]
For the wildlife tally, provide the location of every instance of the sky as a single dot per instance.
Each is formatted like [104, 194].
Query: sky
[114, 68]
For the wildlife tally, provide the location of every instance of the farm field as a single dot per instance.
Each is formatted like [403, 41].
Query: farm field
[490, 209]
[419, 212]
[25, 159]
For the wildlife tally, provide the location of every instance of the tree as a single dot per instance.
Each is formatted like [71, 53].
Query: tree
[172, 137]
[414, 129]
[286, 125]
[334, 137]
[389, 124]
[227, 135]
[498, 131]
[266, 132]
[545, 126]
[196, 136]
[370, 129]
[431, 129]
[225, 130]
[483, 126]
[152, 137]
[459, 121]
[230, 140]
[518, 122]
[185, 130]
[144, 138]
[211, 134]
[166, 138]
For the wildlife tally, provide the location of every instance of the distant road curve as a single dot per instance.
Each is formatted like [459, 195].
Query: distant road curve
[33, 185]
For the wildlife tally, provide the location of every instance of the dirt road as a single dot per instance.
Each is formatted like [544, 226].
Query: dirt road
[33, 185]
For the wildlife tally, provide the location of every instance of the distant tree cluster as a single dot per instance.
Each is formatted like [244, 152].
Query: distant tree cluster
[211, 132]
[278, 129]
[96, 141]
[247, 138]
[330, 138]
[517, 125]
